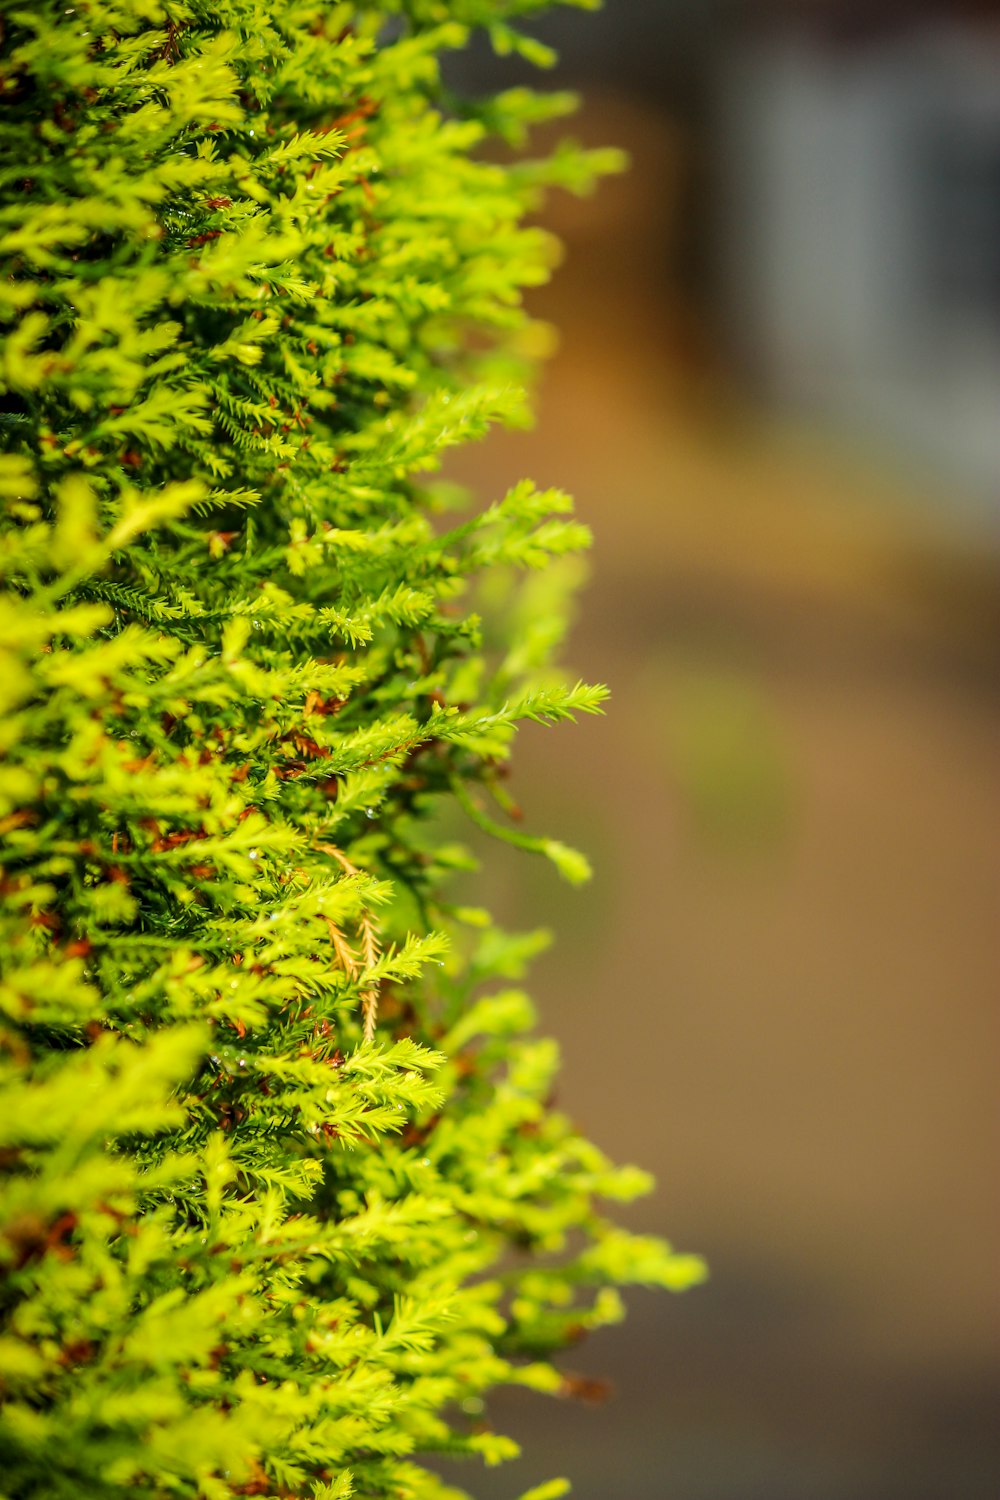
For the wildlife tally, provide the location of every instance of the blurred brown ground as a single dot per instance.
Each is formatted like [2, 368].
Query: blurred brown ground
[779, 993]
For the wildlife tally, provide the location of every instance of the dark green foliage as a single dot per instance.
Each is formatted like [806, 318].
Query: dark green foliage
[282, 1195]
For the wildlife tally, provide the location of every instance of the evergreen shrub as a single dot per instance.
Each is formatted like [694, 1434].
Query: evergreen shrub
[283, 1193]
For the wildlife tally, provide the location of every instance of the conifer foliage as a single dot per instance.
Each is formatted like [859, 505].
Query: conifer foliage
[281, 1192]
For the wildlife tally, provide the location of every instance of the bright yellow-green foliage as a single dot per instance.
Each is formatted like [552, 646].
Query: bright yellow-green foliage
[281, 1195]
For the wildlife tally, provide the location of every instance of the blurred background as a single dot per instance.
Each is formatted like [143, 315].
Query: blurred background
[777, 400]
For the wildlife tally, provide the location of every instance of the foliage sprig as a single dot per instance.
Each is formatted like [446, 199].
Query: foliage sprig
[282, 1195]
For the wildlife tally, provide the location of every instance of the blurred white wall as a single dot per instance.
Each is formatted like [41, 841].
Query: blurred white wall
[859, 236]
